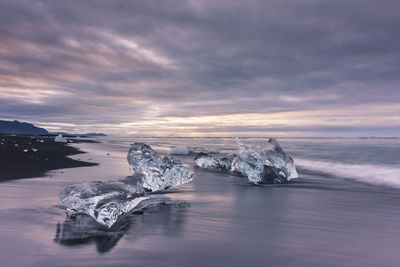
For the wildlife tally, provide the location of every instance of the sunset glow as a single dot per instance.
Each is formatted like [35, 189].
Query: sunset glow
[191, 69]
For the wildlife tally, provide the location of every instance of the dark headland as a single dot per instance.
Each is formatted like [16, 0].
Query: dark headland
[16, 127]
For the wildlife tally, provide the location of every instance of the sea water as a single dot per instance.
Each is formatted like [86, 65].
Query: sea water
[342, 210]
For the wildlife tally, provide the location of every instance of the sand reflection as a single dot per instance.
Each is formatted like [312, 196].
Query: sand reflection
[167, 216]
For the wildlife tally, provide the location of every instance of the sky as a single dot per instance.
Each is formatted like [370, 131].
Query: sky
[202, 68]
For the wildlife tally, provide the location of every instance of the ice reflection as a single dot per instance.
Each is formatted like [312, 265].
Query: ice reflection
[166, 215]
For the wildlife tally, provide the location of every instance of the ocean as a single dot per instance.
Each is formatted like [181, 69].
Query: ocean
[341, 211]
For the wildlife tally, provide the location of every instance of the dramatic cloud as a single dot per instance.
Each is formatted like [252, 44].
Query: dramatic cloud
[202, 67]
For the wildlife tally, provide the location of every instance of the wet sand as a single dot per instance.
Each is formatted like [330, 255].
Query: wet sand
[219, 220]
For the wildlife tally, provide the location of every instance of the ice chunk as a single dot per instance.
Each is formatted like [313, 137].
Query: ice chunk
[60, 139]
[157, 173]
[179, 150]
[204, 160]
[262, 165]
[25, 150]
[105, 202]
[269, 164]
[34, 149]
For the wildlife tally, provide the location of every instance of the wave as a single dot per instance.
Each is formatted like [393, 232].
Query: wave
[368, 173]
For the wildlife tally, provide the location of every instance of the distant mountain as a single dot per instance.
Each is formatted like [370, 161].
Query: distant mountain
[63, 133]
[87, 134]
[94, 134]
[16, 127]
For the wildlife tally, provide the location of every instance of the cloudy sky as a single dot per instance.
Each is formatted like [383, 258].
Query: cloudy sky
[193, 68]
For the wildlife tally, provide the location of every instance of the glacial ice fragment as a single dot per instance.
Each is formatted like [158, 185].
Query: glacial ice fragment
[262, 165]
[157, 173]
[179, 150]
[203, 160]
[60, 139]
[258, 164]
[105, 202]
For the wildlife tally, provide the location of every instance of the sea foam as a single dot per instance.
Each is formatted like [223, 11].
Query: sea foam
[369, 173]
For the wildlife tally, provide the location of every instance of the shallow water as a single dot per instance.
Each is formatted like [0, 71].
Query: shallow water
[339, 212]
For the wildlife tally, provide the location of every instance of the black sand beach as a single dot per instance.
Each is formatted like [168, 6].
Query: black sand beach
[26, 156]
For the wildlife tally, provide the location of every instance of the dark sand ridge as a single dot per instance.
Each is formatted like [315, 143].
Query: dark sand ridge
[40, 156]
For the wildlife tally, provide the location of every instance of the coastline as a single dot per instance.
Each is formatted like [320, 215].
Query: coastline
[312, 220]
[29, 156]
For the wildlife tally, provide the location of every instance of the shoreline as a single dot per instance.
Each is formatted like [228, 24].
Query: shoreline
[30, 156]
[312, 220]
